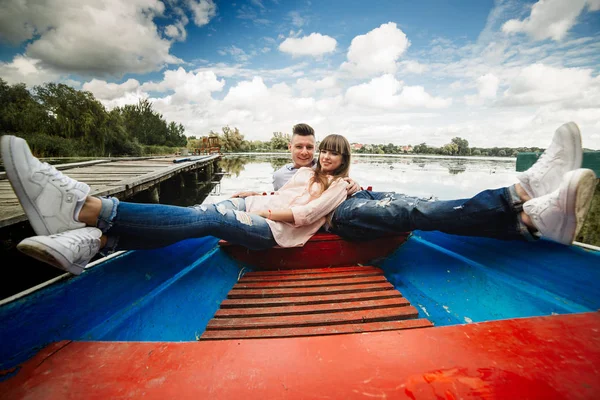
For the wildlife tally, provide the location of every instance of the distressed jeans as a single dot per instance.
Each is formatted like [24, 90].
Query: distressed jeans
[134, 226]
[491, 213]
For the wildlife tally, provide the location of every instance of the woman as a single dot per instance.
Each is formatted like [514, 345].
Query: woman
[73, 227]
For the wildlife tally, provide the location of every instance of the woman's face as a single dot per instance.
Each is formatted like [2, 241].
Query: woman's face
[330, 161]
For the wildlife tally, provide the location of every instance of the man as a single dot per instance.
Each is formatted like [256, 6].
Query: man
[302, 148]
[550, 200]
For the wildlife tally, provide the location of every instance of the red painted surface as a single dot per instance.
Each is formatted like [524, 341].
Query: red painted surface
[322, 250]
[555, 357]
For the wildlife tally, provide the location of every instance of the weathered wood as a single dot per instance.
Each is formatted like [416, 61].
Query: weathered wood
[122, 178]
[321, 330]
[311, 309]
[258, 293]
[290, 321]
[310, 283]
[306, 300]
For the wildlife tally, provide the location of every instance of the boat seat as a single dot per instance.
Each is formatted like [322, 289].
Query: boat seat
[320, 251]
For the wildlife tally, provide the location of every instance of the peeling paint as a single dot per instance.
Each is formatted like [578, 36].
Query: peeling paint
[221, 209]
[243, 217]
[459, 207]
[468, 320]
[424, 310]
[447, 309]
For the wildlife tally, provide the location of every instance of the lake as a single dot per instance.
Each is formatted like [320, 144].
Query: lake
[422, 176]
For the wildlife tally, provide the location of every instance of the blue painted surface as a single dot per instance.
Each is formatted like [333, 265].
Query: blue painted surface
[170, 294]
[456, 280]
[161, 295]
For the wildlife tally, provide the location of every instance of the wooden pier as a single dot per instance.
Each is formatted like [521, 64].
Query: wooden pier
[123, 178]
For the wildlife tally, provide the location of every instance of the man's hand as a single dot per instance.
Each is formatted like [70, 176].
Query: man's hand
[353, 186]
[245, 194]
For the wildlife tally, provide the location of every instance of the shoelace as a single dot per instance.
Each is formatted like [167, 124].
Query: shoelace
[79, 240]
[56, 175]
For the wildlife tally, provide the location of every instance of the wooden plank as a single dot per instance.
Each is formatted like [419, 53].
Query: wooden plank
[310, 283]
[309, 277]
[316, 330]
[307, 300]
[308, 271]
[347, 317]
[258, 293]
[311, 309]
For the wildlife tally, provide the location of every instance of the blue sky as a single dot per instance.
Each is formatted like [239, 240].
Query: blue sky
[498, 73]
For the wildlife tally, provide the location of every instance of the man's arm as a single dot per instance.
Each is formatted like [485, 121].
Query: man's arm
[278, 215]
[246, 194]
[353, 186]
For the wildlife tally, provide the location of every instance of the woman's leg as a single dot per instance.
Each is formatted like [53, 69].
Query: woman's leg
[133, 226]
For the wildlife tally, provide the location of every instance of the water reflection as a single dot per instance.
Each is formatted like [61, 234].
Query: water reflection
[442, 178]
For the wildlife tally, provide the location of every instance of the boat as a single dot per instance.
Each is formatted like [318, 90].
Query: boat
[427, 315]
[416, 315]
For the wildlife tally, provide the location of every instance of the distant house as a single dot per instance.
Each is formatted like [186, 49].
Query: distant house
[407, 149]
[356, 146]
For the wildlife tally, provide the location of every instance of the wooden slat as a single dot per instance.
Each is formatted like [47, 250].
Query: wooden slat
[349, 317]
[307, 300]
[312, 271]
[309, 277]
[258, 293]
[310, 283]
[315, 330]
[311, 309]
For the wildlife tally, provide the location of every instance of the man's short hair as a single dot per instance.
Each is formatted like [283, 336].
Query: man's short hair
[303, 130]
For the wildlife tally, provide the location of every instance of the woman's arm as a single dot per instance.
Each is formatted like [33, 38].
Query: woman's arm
[278, 215]
[321, 206]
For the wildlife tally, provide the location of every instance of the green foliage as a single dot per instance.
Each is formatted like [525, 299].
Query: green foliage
[62, 121]
[231, 140]
[280, 141]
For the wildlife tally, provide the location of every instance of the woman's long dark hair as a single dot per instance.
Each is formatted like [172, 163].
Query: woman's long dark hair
[338, 144]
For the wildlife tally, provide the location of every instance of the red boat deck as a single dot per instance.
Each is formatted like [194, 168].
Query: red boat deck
[555, 357]
[307, 302]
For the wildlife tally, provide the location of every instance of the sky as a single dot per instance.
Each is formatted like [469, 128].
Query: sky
[503, 73]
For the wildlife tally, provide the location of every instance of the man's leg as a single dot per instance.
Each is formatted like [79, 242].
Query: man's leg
[491, 213]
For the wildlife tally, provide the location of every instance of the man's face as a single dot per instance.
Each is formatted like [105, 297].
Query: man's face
[303, 150]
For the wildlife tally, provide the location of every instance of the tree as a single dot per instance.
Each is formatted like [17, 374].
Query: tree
[231, 139]
[280, 141]
[462, 145]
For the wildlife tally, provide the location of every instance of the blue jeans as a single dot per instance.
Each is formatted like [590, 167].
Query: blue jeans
[491, 213]
[134, 226]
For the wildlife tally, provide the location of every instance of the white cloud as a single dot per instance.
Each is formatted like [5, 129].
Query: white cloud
[308, 86]
[377, 51]
[113, 37]
[488, 86]
[539, 84]
[103, 90]
[202, 10]
[413, 67]
[314, 45]
[549, 19]
[387, 92]
[23, 69]
[297, 19]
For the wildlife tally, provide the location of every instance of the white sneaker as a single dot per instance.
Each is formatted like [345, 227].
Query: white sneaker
[559, 216]
[563, 155]
[69, 251]
[49, 198]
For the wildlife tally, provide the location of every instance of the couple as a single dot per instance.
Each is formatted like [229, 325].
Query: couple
[550, 200]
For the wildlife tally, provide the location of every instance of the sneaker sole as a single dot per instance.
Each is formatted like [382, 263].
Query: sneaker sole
[43, 253]
[580, 193]
[32, 212]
